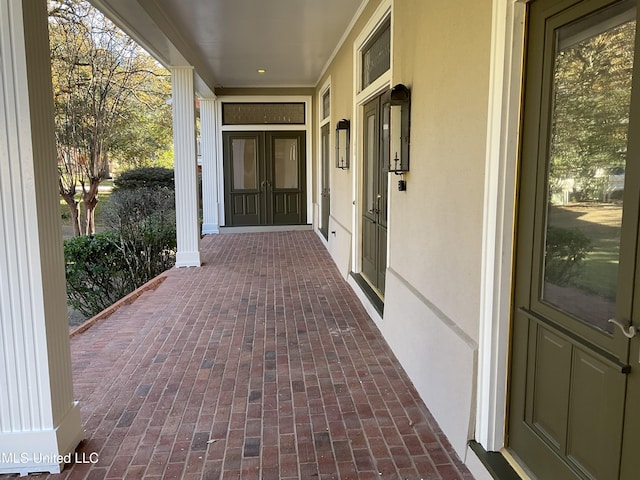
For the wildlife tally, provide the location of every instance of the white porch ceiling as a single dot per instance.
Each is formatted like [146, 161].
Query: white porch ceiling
[227, 41]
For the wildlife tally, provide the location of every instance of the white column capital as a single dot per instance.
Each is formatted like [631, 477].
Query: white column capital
[175, 68]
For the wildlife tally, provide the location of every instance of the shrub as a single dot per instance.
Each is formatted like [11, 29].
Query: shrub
[95, 272]
[566, 248]
[145, 177]
[138, 245]
[144, 228]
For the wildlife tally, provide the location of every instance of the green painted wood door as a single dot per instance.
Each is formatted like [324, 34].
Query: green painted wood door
[265, 178]
[575, 377]
[374, 191]
[325, 191]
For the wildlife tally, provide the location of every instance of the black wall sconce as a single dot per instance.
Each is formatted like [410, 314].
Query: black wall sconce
[400, 128]
[342, 144]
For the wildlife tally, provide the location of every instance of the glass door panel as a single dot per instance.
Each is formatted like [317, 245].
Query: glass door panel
[371, 147]
[369, 193]
[325, 193]
[285, 158]
[245, 163]
[593, 71]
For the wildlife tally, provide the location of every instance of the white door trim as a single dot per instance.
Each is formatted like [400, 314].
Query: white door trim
[317, 219]
[503, 133]
[362, 96]
[306, 127]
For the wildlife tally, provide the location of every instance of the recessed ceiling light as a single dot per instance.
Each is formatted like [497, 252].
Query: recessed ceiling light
[261, 70]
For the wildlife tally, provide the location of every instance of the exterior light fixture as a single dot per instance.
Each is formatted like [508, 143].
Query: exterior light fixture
[399, 135]
[342, 144]
[261, 70]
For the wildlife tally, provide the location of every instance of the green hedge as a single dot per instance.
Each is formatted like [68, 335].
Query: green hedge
[145, 177]
[144, 221]
[138, 245]
[95, 271]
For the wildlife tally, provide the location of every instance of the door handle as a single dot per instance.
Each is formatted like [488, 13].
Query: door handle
[629, 332]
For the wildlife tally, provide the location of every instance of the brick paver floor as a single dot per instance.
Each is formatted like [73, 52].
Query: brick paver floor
[262, 364]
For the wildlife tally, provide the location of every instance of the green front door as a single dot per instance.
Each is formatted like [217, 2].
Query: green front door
[575, 377]
[374, 192]
[264, 178]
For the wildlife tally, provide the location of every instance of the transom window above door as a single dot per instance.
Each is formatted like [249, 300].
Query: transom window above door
[326, 104]
[376, 55]
[261, 113]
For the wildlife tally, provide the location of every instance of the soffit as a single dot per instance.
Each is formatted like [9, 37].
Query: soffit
[227, 41]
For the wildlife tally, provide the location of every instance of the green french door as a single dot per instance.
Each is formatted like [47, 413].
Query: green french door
[325, 192]
[374, 191]
[575, 375]
[264, 178]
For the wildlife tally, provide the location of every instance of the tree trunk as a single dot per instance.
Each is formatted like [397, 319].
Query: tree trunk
[90, 200]
[74, 214]
[90, 223]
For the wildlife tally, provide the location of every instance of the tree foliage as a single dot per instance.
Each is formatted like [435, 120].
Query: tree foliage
[591, 110]
[110, 103]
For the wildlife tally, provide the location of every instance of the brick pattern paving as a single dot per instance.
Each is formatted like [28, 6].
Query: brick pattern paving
[262, 364]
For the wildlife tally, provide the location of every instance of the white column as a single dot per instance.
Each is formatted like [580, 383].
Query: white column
[209, 147]
[39, 419]
[185, 167]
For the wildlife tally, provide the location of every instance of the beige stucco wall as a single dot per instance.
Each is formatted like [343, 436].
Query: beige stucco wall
[441, 51]
[432, 304]
[340, 72]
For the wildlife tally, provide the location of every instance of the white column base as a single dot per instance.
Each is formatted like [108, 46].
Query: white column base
[188, 259]
[210, 228]
[45, 450]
